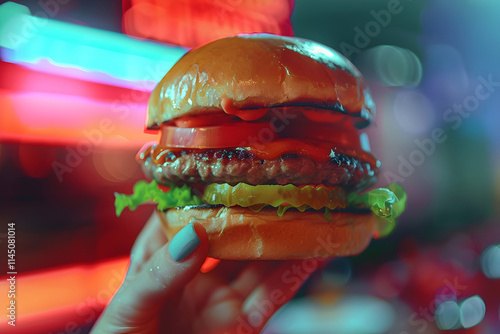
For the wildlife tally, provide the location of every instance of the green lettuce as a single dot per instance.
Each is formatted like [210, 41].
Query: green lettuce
[149, 191]
[387, 203]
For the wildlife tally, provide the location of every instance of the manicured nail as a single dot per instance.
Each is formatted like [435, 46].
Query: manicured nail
[183, 243]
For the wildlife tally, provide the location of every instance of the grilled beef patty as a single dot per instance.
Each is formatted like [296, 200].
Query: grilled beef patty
[237, 165]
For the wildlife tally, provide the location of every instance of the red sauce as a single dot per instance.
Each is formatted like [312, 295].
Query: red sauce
[319, 152]
[270, 151]
[244, 114]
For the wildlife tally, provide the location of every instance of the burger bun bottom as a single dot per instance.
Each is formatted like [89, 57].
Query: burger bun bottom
[237, 233]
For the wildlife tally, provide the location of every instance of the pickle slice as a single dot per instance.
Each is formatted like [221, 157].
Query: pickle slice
[246, 195]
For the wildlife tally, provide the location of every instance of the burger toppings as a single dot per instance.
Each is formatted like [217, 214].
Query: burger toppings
[233, 166]
[304, 164]
[273, 123]
[387, 203]
[246, 115]
[289, 195]
[235, 134]
[316, 150]
[258, 162]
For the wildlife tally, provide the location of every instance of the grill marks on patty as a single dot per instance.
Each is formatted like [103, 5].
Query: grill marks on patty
[237, 165]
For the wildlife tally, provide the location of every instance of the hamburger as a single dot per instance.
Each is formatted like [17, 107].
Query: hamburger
[260, 140]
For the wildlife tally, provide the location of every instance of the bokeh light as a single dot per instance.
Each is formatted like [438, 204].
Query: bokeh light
[344, 316]
[338, 272]
[490, 261]
[446, 80]
[413, 112]
[391, 66]
[472, 311]
[113, 164]
[447, 315]
[467, 314]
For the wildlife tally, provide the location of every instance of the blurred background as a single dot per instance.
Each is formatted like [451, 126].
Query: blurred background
[74, 81]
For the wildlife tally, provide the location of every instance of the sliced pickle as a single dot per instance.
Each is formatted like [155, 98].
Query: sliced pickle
[246, 195]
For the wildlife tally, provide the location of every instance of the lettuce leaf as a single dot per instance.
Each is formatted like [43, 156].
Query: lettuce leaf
[148, 191]
[387, 203]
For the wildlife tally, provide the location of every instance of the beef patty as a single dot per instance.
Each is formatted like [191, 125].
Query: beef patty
[237, 165]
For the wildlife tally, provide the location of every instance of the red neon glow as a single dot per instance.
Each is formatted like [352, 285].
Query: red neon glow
[114, 165]
[209, 264]
[47, 109]
[17, 78]
[62, 119]
[50, 300]
[195, 22]
[35, 162]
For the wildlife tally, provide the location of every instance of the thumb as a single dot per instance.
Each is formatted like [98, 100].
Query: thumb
[167, 271]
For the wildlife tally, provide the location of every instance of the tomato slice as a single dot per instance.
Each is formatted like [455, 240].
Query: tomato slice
[340, 134]
[235, 134]
[195, 121]
[267, 138]
[163, 187]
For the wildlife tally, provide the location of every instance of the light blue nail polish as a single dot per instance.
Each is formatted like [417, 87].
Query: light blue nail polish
[183, 243]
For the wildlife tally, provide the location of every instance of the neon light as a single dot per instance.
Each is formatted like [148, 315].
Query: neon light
[82, 52]
[62, 119]
[17, 78]
[48, 300]
[195, 22]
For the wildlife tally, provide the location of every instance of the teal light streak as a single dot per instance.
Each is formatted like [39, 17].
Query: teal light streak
[29, 40]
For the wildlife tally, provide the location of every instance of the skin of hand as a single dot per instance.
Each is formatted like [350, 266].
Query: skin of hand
[162, 295]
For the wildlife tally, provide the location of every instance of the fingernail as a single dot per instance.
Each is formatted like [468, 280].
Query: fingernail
[183, 243]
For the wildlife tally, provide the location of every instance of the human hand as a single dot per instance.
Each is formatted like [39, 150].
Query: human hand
[164, 290]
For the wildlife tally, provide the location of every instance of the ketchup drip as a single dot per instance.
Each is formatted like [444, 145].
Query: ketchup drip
[245, 114]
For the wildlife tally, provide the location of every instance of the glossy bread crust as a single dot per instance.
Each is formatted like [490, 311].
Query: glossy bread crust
[238, 233]
[259, 71]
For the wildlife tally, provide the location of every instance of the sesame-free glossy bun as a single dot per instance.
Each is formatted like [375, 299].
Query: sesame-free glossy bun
[240, 234]
[259, 71]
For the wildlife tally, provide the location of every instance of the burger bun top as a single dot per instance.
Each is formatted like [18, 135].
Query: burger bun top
[255, 71]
